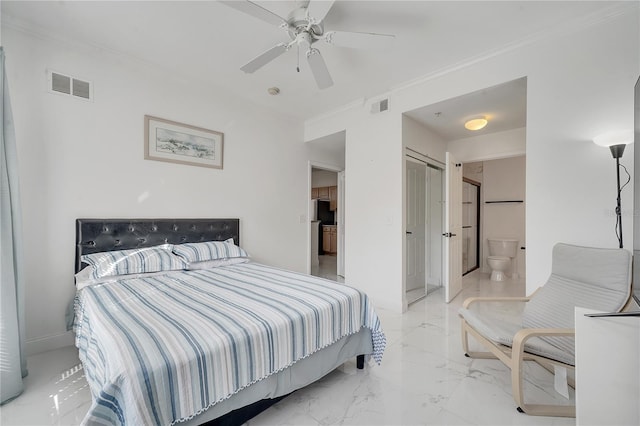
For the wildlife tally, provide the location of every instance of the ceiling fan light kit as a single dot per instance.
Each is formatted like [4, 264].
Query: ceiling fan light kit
[305, 26]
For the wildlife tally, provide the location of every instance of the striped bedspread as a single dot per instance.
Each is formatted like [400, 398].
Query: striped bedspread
[158, 350]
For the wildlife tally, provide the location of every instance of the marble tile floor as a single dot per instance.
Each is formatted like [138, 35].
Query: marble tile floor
[416, 294]
[327, 268]
[424, 379]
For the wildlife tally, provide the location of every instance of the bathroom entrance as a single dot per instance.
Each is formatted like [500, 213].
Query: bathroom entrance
[501, 204]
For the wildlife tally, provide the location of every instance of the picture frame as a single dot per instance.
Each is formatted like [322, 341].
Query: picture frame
[173, 142]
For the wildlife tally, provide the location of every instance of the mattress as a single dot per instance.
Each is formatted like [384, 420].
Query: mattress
[165, 348]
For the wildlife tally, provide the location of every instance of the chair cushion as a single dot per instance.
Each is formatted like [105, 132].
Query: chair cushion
[609, 269]
[501, 328]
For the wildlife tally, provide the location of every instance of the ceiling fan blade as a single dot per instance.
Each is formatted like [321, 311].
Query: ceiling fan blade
[318, 9]
[319, 69]
[256, 11]
[359, 40]
[264, 58]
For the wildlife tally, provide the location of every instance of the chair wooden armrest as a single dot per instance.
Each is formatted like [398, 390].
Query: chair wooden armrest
[517, 358]
[471, 300]
[525, 334]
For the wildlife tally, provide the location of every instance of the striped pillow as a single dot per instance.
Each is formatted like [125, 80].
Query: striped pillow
[209, 250]
[216, 263]
[134, 261]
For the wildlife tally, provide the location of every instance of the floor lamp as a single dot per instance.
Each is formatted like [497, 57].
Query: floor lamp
[617, 141]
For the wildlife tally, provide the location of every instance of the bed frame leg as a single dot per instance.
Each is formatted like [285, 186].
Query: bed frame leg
[360, 362]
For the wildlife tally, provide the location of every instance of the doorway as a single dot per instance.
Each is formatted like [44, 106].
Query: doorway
[438, 129]
[327, 234]
[424, 227]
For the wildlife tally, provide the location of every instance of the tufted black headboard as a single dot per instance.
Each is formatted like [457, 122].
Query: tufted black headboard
[98, 235]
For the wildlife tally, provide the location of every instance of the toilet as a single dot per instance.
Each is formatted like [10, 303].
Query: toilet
[500, 254]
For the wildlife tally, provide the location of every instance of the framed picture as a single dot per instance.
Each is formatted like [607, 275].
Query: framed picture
[166, 140]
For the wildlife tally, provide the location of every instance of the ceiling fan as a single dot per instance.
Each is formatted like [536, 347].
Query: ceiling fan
[304, 26]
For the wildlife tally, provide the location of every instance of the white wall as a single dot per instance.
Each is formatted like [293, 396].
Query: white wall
[321, 178]
[374, 216]
[490, 146]
[417, 137]
[473, 171]
[579, 84]
[85, 159]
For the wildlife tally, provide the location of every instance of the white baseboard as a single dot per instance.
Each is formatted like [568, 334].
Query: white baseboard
[49, 343]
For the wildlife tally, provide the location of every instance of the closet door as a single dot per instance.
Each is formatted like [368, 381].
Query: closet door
[416, 225]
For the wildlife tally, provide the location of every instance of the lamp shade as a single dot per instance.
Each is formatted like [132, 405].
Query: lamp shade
[624, 137]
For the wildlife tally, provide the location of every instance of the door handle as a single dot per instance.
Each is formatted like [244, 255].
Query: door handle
[448, 234]
[409, 232]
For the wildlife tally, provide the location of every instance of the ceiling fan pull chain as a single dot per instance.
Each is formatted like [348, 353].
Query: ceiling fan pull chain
[298, 56]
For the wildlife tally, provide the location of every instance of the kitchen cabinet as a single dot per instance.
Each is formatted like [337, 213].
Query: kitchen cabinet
[329, 239]
[334, 240]
[326, 239]
[326, 193]
[323, 192]
[333, 198]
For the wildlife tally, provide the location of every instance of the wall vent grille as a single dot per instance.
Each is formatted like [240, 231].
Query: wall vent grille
[380, 106]
[67, 85]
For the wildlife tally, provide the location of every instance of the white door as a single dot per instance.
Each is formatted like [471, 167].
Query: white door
[453, 229]
[340, 223]
[416, 226]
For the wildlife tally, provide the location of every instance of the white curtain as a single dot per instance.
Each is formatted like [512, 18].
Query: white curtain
[13, 363]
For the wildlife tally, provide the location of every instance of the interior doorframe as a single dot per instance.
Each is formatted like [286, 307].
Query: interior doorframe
[322, 166]
[491, 157]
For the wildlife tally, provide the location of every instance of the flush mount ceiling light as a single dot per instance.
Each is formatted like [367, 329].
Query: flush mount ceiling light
[475, 123]
[273, 91]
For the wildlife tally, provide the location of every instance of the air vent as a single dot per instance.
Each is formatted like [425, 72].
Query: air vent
[67, 85]
[60, 83]
[81, 88]
[380, 106]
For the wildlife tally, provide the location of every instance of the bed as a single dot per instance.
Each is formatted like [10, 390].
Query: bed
[175, 324]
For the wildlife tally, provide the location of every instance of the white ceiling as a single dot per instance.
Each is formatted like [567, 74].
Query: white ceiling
[504, 106]
[208, 42]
